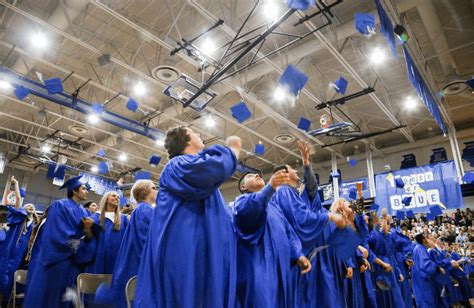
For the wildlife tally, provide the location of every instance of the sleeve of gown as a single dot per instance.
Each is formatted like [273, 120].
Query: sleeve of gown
[61, 232]
[311, 183]
[307, 224]
[15, 216]
[294, 242]
[198, 176]
[425, 265]
[250, 214]
[350, 262]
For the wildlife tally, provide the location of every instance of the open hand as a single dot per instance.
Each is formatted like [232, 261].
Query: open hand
[304, 148]
[279, 178]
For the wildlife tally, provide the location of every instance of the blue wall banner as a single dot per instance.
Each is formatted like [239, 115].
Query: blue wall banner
[98, 184]
[429, 185]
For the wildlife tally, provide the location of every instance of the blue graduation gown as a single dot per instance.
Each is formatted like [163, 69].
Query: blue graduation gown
[34, 254]
[308, 226]
[62, 250]
[14, 247]
[423, 274]
[128, 258]
[443, 280]
[382, 245]
[266, 247]
[464, 288]
[107, 247]
[189, 258]
[403, 247]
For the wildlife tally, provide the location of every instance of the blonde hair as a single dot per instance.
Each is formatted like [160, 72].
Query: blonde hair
[103, 208]
[141, 189]
[339, 206]
[34, 215]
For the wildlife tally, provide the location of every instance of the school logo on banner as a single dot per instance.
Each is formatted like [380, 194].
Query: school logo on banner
[427, 186]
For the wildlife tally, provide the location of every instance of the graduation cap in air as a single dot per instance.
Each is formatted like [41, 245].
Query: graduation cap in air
[340, 85]
[97, 108]
[436, 210]
[468, 177]
[304, 124]
[400, 215]
[430, 216]
[155, 160]
[470, 82]
[54, 85]
[353, 193]
[410, 214]
[142, 175]
[101, 153]
[293, 80]
[374, 207]
[406, 201]
[22, 192]
[132, 105]
[364, 23]
[259, 149]
[73, 183]
[21, 92]
[240, 112]
[103, 167]
[353, 162]
[301, 5]
[56, 171]
[399, 183]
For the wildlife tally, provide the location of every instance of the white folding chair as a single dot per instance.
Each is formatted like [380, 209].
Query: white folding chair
[130, 290]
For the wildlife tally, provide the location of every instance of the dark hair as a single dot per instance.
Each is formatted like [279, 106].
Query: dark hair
[71, 193]
[419, 238]
[176, 140]
[241, 180]
[88, 203]
[280, 167]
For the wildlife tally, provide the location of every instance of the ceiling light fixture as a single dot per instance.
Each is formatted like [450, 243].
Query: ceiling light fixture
[46, 148]
[139, 89]
[93, 118]
[377, 56]
[123, 157]
[39, 40]
[410, 103]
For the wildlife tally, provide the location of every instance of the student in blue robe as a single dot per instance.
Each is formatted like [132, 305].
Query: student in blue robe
[91, 207]
[13, 250]
[423, 272]
[443, 282]
[267, 245]
[63, 248]
[112, 225]
[128, 259]
[465, 290]
[380, 241]
[307, 224]
[189, 258]
[403, 250]
[34, 246]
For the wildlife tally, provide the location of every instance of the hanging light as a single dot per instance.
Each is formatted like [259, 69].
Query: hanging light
[123, 157]
[139, 89]
[39, 40]
[46, 148]
[94, 169]
[410, 103]
[93, 118]
[377, 56]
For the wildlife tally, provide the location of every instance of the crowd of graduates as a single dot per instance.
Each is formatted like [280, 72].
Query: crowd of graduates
[273, 246]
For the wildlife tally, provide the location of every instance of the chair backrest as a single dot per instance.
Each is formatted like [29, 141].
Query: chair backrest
[88, 283]
[20, 276]
[130, 290]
